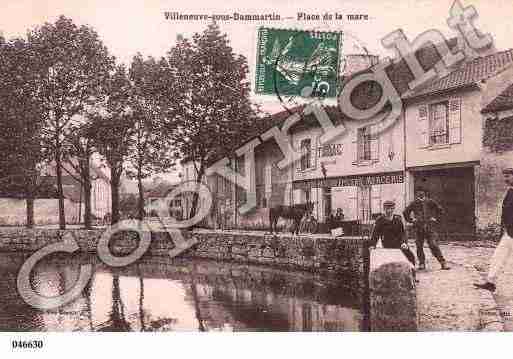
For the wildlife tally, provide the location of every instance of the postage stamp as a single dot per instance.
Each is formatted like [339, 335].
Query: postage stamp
[289, 61]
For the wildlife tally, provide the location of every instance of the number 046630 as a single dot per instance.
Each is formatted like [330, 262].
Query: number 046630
[27, 344]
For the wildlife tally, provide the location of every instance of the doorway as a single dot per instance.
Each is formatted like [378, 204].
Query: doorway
[454, 190]
[327, 202]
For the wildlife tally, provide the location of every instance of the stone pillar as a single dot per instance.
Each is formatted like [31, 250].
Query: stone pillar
[393, 298]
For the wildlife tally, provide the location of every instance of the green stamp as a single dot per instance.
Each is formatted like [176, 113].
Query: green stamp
[289, 61]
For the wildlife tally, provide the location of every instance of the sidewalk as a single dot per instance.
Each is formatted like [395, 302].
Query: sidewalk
[448, 301]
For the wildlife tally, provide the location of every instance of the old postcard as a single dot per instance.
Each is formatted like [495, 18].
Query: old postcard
[269, 166]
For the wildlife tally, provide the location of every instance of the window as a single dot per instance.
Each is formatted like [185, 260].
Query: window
[306, 154]
[307, 195]
[327, 201]
[438, 124]
[364, 144]
[260, 196]
[222, 185]
[268, 185]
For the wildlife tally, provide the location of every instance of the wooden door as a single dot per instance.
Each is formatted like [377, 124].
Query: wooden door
[453, 189]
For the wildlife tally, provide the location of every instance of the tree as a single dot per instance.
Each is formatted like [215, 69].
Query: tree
[208, 102]
[129, 204]
[75, 63]
[78, 150]
[20, 122]
[113, 122]
[152, 149]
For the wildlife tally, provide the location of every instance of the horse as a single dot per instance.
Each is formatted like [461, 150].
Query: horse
[295, 212]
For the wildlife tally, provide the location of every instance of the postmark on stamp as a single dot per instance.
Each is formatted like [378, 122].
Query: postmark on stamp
[289, 61]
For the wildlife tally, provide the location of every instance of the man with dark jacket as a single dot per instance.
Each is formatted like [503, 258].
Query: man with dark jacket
[505, 247]
[427, 214]
[389, 227]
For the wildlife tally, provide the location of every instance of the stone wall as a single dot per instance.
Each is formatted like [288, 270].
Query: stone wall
[319, 254]
[14, 211]
[490, 191]
[392, 292]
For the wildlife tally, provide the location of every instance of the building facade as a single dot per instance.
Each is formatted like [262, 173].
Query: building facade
[355, 172]
[444, 141]
[440, 142]
[497, 154]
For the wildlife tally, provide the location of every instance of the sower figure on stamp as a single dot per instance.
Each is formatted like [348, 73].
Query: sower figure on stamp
[389, 227]
[427, 215]
[505, 248]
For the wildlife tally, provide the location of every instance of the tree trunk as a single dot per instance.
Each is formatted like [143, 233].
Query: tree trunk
[195, 299]
[85, 171]
[30, 211]
[114, 187]
[140, 202]
[141, 298]
[80, 202]
[195, 195]
[60, 193]
[87, 203]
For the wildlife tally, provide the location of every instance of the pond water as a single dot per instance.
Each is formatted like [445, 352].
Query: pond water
[159, 294]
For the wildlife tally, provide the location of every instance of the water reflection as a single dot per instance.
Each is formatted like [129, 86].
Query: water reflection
[161, 295]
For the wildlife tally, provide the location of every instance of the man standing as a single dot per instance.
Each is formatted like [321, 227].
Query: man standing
[505, 247]
[427, 215]
[389, 227]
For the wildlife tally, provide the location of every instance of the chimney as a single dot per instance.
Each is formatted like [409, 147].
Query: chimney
[357, 62]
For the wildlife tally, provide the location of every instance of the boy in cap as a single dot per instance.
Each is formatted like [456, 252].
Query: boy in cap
[391, 229]
[505, 247]
[427, 214]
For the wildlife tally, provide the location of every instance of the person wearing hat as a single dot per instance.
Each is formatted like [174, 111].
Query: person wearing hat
[389, 227]
[427, 214]
[505, 247]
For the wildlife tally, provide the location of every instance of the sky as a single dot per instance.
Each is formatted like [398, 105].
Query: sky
[127, 27]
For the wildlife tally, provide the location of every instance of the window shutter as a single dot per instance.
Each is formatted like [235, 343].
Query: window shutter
[313, 152]
[423, 126]
[300, 159]
[455, 120]
[374, 143]
[296, 196]
[268, 180]
[376, 199]
[360, 198]
[356, 146]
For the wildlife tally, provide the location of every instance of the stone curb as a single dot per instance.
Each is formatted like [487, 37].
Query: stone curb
[490, 319]
[485, 315]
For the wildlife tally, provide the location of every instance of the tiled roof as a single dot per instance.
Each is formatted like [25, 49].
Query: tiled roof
[363, 96]
[366, 95]
[160, 190]
[95, 171]
[428, 56]
[502, 102]
[73, 192]
[278, 119]
[472, 72]
[70, 187]
[369, 93]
